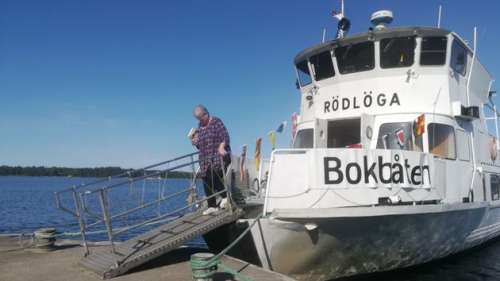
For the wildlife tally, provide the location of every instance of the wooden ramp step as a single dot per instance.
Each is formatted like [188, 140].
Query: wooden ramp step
[156, 242]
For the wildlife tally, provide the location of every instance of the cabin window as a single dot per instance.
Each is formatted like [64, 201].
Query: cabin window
[344, 133]
[304, 139]
[398, 136]
[322, 66]
[458, 58]
[355, 57]
[463, 145]
[303, 73]
[397, 52]
[441, 140]
[495, 187]
[433, 51]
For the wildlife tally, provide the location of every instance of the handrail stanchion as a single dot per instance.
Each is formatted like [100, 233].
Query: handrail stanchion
[85, 213]
[81, 222]
[107, 220]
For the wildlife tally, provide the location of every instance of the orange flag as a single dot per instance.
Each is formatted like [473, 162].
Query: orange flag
[419, 126]
[242, 162]
[257, 153]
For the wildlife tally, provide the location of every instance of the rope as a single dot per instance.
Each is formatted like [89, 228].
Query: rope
[215, 260]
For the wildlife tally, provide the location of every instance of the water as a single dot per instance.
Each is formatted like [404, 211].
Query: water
[27, 203]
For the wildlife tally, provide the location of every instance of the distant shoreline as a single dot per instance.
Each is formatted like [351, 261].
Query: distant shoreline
[97, 172]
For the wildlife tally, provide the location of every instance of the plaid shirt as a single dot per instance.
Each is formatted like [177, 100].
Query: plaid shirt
[209, 139]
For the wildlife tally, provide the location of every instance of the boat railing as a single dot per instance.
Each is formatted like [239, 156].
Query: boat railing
[106, 202]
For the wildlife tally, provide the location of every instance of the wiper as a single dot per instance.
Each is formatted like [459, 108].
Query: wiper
[389, 45]
[346, 51]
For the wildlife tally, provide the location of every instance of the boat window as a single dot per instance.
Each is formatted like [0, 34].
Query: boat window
[433, 51]
[398, 136]
[322, 66]
[441, 140]
[355, 57]
[458, 58]
[344, 133]
[495, 187]
[397, 52]
[303, 73]
[304, 139]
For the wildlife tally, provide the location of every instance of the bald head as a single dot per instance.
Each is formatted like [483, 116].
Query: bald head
[200, 112]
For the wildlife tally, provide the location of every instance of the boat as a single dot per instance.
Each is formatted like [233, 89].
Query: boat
[393, 163]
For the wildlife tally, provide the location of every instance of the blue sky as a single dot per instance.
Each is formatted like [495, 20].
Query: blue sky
[97, 83]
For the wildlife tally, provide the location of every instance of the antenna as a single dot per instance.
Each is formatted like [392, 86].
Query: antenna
[439, 16]
[342, 7]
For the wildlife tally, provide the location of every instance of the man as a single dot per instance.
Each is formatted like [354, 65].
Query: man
[212, 140]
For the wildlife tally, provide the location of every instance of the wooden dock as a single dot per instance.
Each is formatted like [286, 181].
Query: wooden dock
[17, 264]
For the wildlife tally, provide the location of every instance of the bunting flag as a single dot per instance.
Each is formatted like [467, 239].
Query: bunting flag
[242, 162]
[272, 139]
[294, 125]
[258, 143]
[281, 127]
[419, 125]
[400, 137]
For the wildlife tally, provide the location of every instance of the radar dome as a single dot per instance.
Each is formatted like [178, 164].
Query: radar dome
[381, 18]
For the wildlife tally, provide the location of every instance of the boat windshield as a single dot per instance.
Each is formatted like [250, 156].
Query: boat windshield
[433, 51]
[322, 66]
[303, 73]
[397, 52]
[355, 57]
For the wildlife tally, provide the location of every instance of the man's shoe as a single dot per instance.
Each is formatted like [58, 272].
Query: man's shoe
[223, 203]
[210, 210]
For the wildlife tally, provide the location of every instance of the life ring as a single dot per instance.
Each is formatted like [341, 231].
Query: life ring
[493, 149]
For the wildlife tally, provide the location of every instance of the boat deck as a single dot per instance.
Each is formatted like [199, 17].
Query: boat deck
[17, 264]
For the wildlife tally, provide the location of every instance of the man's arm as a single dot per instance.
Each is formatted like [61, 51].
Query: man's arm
[193, 137]
[222, 136]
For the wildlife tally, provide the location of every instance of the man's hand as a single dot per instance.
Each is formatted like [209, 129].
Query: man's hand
[194, 139]
[222, 149]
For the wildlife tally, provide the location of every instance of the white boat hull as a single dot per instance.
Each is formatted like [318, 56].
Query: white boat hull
[348, 245]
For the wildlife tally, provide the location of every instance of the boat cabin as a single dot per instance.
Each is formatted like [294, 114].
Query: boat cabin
[369, 90]
[390, 115]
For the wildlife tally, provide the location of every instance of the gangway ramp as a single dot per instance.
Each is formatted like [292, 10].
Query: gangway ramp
[154, 243]
[135, 201]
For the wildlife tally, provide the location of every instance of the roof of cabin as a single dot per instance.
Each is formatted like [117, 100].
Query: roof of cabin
[371, 35]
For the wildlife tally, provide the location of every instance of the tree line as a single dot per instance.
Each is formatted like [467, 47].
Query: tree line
[98, 172]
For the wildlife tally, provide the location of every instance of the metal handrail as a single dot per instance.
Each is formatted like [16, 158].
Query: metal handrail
[141, 177]
[75, 188]
[125, 173]
[81, 209]
[168, 214]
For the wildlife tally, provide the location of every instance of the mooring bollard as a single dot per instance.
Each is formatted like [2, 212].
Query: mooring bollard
[201, 268]
[44, 239]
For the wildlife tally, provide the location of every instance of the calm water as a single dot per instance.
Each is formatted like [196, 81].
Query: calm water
[27, 203]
